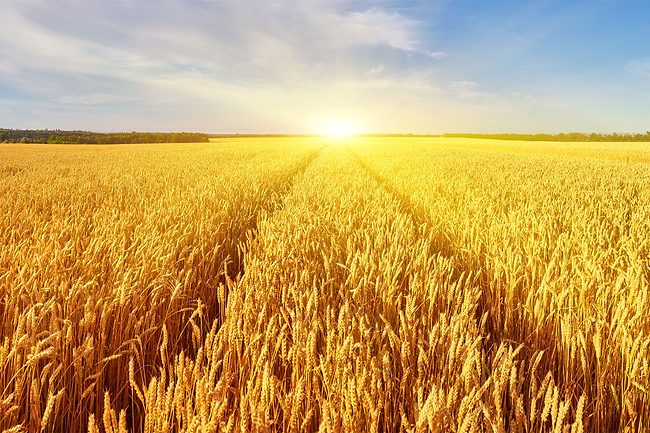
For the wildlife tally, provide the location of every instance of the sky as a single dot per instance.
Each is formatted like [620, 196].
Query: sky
[301, 66]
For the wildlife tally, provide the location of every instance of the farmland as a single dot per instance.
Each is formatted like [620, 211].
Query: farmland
[305, 284]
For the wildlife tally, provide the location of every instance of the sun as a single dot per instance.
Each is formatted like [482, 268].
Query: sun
[339, 129]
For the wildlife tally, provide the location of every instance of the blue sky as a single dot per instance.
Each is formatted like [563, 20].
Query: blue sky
[295, 66]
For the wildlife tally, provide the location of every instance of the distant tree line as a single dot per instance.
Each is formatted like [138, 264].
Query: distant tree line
[569, 136]
[57, 136]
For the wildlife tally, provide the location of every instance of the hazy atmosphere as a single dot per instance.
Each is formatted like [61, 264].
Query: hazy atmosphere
[295, 67]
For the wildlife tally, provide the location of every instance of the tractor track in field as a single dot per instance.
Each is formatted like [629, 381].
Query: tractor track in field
[235, 269]
[464, 264]
[271, 200]
[441, 244]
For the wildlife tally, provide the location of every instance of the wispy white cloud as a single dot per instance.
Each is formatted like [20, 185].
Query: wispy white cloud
[436, 54]
[469, 90]
[229, 39]
[639, 68]
[92, 99]
[95, 53]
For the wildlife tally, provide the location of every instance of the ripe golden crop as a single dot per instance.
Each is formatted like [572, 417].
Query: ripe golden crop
[390, 284]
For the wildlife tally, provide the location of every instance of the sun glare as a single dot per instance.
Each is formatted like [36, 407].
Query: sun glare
[339, 129]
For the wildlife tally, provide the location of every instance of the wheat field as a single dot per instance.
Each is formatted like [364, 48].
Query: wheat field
[308, 284]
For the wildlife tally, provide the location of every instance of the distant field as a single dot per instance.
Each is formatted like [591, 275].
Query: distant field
[312, 284]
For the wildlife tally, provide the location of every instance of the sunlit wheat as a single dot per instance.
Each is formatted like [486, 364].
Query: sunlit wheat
[382, 284]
